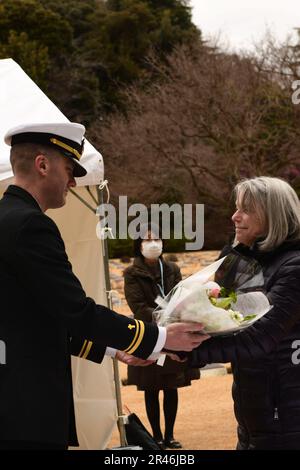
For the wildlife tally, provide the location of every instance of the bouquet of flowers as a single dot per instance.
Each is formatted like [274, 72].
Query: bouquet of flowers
[220, 309]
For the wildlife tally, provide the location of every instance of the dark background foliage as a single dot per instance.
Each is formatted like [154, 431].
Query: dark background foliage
[176, 119]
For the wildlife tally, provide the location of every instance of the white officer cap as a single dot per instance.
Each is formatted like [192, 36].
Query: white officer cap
[67, 137]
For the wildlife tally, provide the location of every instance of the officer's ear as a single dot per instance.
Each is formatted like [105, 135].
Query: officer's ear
[41, 164]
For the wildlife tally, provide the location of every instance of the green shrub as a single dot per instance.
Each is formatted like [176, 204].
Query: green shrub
[117, 248]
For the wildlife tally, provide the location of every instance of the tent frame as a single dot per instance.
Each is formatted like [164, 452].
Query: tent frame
[122, 419]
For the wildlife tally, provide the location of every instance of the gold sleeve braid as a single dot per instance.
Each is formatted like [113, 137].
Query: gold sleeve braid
[138, 337]
[139, 328]
[85, 349]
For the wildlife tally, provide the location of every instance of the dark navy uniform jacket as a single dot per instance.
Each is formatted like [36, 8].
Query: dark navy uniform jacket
[43, 306]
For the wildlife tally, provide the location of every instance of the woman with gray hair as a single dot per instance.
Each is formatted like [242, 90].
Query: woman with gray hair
[265, 360]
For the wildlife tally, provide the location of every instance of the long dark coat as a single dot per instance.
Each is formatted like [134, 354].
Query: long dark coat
[265, 357]
[42, 306]
[141, 290]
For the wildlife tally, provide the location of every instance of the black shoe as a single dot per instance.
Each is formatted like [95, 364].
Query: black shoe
[172, 444]
[160, 443]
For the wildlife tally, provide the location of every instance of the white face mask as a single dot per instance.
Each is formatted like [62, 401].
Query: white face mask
[151, 249]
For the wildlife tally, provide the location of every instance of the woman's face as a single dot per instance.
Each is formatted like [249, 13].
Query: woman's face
[248, 224]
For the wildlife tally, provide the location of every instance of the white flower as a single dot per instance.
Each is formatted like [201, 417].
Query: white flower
[190, 301]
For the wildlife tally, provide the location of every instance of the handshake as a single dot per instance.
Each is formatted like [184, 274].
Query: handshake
[184, 336]
[180, 337]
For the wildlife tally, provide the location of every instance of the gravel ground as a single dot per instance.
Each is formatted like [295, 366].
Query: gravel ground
[205, 419]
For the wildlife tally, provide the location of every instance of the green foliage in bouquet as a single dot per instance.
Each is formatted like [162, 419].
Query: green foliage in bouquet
[225, 300]
[227, 297]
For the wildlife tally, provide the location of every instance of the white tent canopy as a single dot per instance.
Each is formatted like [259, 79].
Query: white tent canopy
[21, 101]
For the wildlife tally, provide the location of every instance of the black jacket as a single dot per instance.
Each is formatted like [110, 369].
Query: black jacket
[42, 306]
[266, 388]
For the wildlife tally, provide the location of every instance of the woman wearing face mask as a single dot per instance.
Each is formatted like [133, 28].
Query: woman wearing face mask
[150, 276]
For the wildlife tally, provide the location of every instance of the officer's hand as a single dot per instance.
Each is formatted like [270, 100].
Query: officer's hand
[132, 360]
[184, 336]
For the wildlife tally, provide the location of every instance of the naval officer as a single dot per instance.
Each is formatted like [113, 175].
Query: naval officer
[44, 304]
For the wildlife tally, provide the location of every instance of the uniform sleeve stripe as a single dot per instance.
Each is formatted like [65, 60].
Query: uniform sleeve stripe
[139, 338]
[137, 329]
[88, 348]
[83, 348]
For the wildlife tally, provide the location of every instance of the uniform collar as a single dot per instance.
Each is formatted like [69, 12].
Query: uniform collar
[21, 193]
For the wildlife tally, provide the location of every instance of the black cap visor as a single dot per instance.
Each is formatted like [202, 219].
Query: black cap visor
[70, 149]
[79, 170]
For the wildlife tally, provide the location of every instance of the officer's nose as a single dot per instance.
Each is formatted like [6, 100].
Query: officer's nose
[72, 182]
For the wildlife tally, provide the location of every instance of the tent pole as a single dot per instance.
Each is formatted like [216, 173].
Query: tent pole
[121, 417]
[82, 200]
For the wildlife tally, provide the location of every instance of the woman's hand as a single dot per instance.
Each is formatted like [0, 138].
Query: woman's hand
[132, 360]
[174, 357]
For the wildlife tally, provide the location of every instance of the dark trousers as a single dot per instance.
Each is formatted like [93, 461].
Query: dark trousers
[170, 405]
